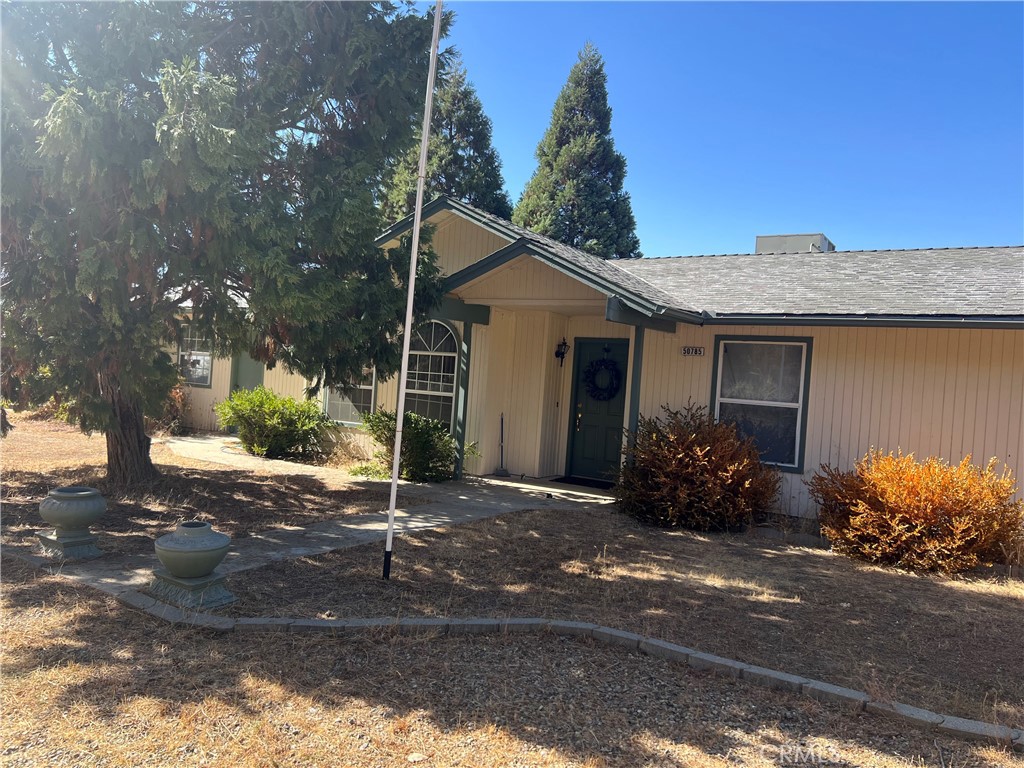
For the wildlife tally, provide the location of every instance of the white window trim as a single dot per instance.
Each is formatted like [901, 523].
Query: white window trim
[798, 405]
[453, 395]
[186, 351]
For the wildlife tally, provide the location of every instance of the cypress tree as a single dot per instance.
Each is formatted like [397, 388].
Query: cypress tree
[461, 162]
[209, 161]
[576, 195]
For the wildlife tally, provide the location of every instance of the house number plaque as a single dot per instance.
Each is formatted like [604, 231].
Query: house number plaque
[693, 351]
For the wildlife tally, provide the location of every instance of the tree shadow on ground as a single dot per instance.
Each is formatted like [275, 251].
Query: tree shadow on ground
[929, 641]
[321, 698]
[238, 503]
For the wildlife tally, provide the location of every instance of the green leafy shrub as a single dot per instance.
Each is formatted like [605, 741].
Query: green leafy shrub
[931, 516]
[274, 426]
[428, 450]
[686, 470]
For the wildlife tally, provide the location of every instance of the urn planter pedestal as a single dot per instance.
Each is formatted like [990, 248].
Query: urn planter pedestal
[189, 576]
[71, 510]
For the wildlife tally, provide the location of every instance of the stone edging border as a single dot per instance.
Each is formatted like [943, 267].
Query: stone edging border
[958, 727]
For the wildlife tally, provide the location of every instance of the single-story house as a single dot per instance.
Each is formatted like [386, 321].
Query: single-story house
[541, 355]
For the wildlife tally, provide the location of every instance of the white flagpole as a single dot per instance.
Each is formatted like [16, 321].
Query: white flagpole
[408, 329]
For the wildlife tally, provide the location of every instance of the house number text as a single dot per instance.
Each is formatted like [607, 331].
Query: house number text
[693, 351]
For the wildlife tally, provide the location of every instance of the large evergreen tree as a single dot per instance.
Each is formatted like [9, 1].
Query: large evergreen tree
[461, 162]
[576, 195]
[215, 162]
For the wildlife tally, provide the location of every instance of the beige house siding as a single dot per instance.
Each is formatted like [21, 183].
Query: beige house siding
[490, 389]
[459, 243]
[281, 381]
[555, 420]
[525, 282]
[202, 399]
[931, 392]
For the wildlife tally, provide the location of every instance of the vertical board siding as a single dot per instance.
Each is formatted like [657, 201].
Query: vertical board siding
[1015, 443]
[550, 463]
[202, 399]
[201, 416]
[932, 392]
[489, 389]
[285, 383]
[528, 406]
[526, 279]
[387, 393]
[459, 243]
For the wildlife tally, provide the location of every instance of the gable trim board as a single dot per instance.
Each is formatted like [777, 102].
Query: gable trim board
[942, 381]
[431, 209]
[602, 284]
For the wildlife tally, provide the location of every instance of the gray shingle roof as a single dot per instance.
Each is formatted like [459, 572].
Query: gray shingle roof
[610, 271]
[923, 283]
[959, 282]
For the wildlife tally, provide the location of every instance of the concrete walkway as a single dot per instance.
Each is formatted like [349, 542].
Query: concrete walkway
[446, 504]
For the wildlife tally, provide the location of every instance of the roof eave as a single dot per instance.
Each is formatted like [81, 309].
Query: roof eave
[523, 246]
[994, 322]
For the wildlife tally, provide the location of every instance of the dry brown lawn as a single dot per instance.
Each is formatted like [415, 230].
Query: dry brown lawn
[88, 681]
[40, 455]
[951, 645]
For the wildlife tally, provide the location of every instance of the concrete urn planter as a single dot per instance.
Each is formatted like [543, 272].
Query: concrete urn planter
[193, 550]
[72, 509]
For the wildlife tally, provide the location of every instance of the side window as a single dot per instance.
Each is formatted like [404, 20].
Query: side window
[350, 407]
[760, 387]
[195, 358]
[433, 363]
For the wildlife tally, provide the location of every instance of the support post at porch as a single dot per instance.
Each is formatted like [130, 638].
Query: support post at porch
[634, 382]
[462, 404]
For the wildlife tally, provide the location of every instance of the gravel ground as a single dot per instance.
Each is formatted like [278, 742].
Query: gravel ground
[943, 644]
[40, 455]
[90, 682]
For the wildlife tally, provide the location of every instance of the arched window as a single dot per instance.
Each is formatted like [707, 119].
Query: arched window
[433, 371]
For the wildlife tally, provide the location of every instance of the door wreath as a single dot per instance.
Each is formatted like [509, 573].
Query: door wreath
[609, 387]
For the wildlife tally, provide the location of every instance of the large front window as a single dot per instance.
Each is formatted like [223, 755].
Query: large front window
[760, 387]
[195, 359]
[433, 367]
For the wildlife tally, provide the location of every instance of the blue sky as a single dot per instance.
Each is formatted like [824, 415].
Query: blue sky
[883, 125]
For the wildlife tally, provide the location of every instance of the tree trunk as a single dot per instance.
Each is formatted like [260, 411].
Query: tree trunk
[128, 459]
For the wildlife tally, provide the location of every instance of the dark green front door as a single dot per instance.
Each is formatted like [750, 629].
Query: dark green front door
[598, 408]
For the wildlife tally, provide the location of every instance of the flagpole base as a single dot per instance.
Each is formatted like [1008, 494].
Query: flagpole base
[387, 564]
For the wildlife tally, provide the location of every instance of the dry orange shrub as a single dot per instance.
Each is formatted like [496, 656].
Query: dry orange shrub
[933, 516]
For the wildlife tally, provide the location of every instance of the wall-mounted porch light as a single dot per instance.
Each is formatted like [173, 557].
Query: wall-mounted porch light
[561, 350]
